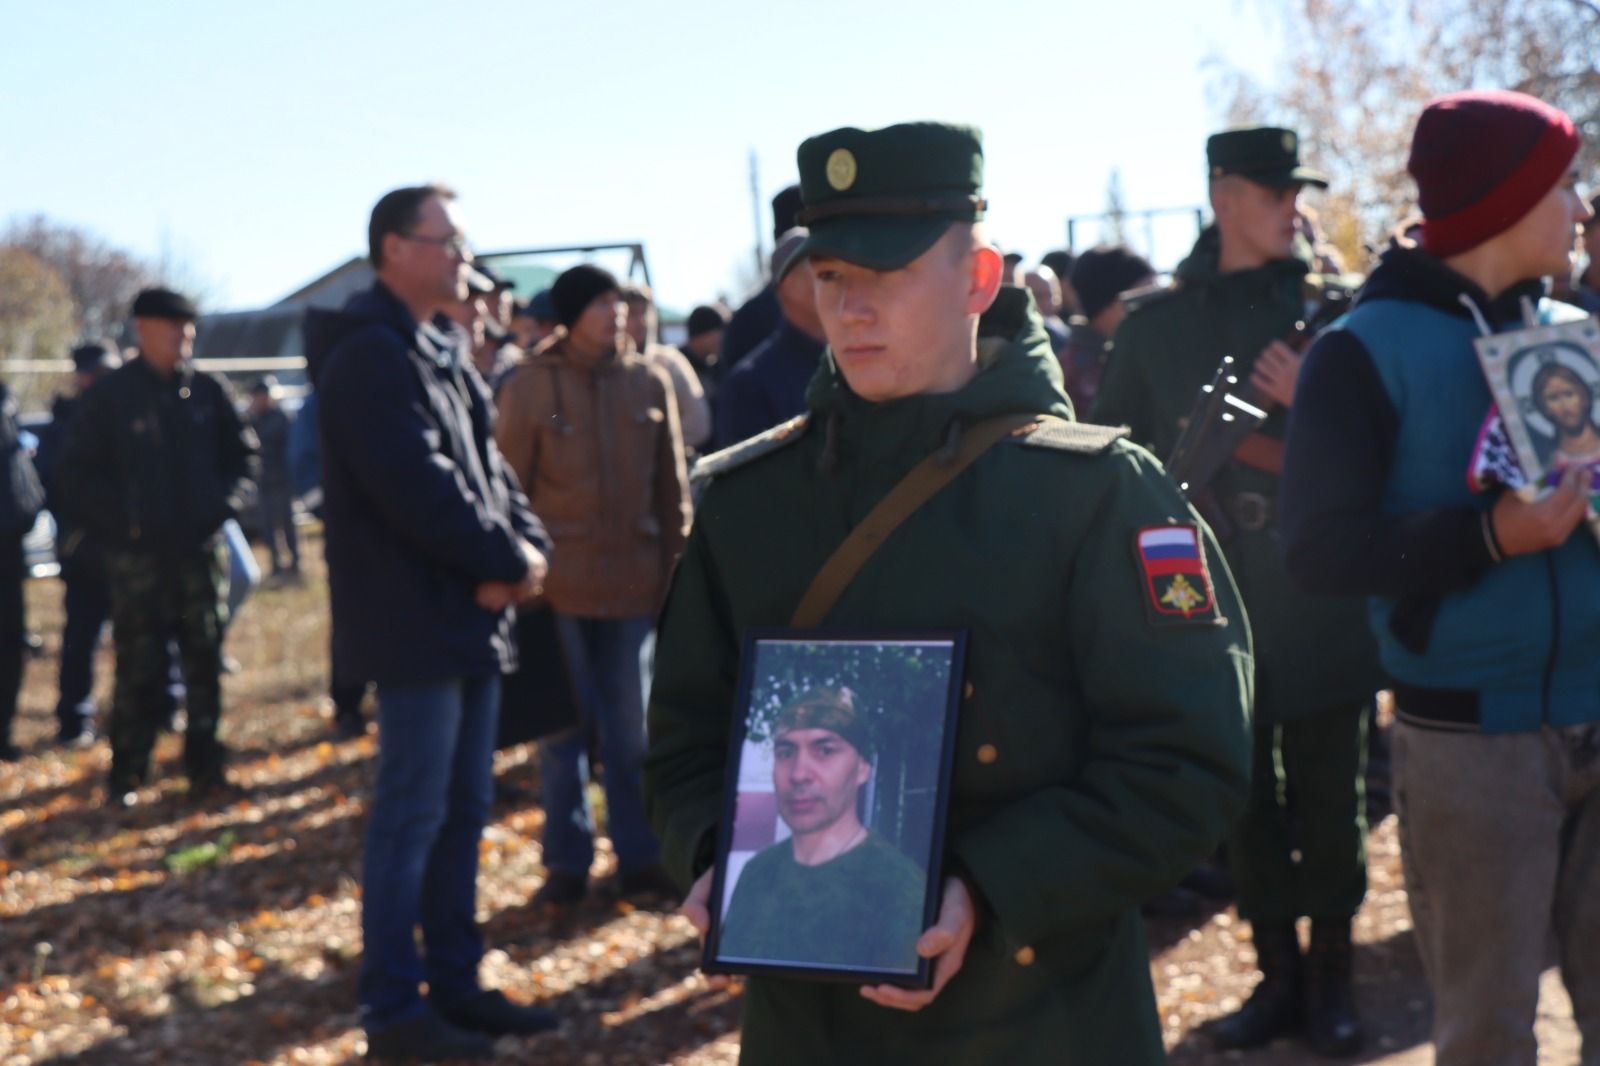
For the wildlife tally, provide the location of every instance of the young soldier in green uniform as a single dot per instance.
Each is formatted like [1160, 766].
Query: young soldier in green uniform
[833, 890]
[1241, 292]
[1102, 746]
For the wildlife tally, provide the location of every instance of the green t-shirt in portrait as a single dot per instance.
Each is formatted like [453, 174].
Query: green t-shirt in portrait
[861, 909]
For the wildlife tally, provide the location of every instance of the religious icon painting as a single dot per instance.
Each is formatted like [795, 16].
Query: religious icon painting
[828, 859]
[1546, 385]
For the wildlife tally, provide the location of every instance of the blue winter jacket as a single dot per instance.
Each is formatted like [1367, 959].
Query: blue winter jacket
[1376, 501]
[420, 508]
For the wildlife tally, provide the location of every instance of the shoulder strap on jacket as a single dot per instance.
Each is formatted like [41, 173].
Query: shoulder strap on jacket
[735, 456]
[901, 502]
[1083, 438]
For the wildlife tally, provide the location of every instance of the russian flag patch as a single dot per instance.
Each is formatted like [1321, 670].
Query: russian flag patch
[1177, 584]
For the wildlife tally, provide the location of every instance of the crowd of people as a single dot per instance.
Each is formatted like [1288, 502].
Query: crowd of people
[905, 429]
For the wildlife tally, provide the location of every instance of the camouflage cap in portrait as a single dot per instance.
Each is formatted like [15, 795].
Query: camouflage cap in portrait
[833, 709]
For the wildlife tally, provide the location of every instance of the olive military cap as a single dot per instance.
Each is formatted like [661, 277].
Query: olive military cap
[880, 198]
[833, 709]
[1267, 155]
[164, 303]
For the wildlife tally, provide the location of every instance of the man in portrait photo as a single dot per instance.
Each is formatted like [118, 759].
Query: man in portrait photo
[835, 892]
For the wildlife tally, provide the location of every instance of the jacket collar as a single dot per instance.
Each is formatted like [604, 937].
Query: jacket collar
[426, 339]
[1017, 373]
[1406, 272]
[1202, 267]
[182, 374]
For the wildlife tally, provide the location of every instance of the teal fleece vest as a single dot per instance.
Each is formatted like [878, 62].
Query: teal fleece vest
[1525, 636]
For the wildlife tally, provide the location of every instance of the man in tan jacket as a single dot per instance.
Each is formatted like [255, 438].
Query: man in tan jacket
[591, 430]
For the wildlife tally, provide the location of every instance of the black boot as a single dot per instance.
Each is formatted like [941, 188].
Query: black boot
[1276, 1006]
[1335, 1027]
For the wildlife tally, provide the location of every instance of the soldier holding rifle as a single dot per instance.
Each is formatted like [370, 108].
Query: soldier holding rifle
[1243, 292]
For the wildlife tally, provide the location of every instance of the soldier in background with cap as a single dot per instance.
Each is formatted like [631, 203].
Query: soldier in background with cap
[275, 500]
[154, 463]
[1102, 745]
[87, 597]
[1241, 292]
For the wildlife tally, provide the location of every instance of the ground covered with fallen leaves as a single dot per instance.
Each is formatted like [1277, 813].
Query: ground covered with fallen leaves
[175, 933]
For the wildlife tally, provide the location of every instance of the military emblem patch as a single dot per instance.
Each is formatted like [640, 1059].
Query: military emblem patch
[841, 169]
[1177, 585]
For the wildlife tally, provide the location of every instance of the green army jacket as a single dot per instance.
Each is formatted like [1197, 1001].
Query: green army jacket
[1102, 747]
[1312, 652]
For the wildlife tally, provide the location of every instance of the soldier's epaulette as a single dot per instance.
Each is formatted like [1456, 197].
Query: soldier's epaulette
[731, 458]
[1134, 299]
[1083, 438]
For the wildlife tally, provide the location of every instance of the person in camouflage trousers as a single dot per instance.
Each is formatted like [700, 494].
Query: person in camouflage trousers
[183, 597]
[152, 467]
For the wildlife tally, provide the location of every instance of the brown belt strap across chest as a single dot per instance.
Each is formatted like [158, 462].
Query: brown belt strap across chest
[901, 502]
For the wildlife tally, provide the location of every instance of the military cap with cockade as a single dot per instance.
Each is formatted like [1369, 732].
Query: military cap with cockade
[880, 198]
[1267, 155]
[164, 303]
[833, 709]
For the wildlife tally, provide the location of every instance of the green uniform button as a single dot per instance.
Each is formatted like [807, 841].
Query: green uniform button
[988, 753]
[1024, 956]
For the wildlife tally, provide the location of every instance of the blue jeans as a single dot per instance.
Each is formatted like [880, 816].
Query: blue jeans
[420, 867]
[605, 654]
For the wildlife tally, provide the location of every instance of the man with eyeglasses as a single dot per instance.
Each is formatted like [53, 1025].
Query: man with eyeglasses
[430, 542]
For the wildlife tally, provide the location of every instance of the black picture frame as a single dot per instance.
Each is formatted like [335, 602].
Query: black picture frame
[796, 751]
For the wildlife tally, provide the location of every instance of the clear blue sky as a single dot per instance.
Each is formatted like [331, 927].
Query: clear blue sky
[249, 143]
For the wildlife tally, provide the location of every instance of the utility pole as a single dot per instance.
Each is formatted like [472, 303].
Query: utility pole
[755, 214]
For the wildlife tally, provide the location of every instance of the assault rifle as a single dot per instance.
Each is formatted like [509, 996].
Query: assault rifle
[1213, 432]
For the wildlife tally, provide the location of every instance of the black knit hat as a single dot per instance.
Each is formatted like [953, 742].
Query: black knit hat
[576, 289]
[92, 355]
[1102, 274]
[705, 319]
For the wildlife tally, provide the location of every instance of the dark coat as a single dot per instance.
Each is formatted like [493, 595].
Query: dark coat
[272, 430]
[154, 464]
[420, 507]
[768, 386]
[750, 325]
[1099, 754]
[75, 549]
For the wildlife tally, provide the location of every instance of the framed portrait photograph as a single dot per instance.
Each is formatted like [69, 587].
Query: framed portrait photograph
[1546, 385]
[828, 857]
